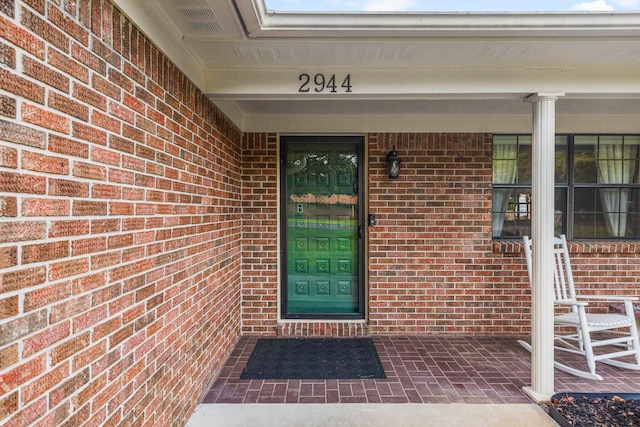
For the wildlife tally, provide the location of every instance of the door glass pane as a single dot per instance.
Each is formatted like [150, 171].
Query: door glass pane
[322, 228]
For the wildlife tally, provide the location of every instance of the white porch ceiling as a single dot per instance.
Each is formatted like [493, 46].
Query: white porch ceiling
[437, 72]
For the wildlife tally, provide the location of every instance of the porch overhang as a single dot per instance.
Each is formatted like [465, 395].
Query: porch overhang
[412, 72]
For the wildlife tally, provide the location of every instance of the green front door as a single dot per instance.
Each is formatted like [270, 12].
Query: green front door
[321, 227]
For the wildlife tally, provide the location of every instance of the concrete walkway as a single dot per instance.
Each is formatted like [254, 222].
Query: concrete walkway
[370, 415]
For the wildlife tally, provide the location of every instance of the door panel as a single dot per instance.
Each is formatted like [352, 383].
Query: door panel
[321, 219]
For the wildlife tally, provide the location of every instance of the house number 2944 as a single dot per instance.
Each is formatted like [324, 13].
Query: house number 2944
[324, 83]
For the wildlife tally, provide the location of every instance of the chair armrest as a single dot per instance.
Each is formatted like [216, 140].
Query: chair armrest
[571, 303]
[608, 298]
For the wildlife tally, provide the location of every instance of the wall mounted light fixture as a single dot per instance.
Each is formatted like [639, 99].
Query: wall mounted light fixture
[393, 164]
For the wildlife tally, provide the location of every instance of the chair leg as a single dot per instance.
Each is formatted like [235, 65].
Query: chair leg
[633, 330]
[580, 340]
[635, 344]
[588, 352]
[585, 341]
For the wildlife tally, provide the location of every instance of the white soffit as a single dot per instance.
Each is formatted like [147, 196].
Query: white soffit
[402, 66]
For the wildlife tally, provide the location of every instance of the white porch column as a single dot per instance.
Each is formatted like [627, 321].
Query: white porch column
[542, 231]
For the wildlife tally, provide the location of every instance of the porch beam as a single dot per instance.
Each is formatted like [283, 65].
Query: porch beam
[264, 83]
[542, 232]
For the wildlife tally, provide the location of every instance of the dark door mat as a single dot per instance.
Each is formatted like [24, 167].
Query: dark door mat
[313, 358]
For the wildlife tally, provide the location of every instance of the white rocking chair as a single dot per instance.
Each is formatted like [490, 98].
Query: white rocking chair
[621, 339]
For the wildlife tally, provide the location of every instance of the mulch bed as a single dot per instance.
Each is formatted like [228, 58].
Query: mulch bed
[596, 410]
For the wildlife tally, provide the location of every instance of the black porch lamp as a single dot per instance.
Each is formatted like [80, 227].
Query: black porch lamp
[393, 164]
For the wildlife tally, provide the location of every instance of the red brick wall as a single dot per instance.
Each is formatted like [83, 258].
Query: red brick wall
[606, 268]
[120, 188]
[432, 265]
[430, 256]
[260, 233]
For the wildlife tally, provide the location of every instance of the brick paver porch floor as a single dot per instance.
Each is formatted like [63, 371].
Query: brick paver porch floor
[420, 369]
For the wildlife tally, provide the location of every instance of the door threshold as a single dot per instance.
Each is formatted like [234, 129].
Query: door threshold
[322, 328]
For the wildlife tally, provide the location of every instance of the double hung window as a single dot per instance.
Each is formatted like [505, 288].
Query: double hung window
[596, 186]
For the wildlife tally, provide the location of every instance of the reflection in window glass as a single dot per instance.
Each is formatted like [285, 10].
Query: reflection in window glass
[560, 206]
[584, 159]
[514, 218]
[561, 167]
[588, 217]
[524, 160]
[605, 212]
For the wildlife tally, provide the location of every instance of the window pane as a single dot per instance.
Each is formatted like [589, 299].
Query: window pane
[584, 221]
[631, 163]
[505, 159]
[561, 159]
[560, 211]
[583, 227]
[609, 160]
[605, 213]
[512, 159]
[616, 204]
[633, 215]
[524, 160]
[584, 159]
[511, 212]
[617, 159]
[584, 200]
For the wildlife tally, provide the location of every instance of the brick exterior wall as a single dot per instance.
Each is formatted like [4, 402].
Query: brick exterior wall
[431, 262]
[120, 223]
[432, 265]
[260, 234]
[139, 230]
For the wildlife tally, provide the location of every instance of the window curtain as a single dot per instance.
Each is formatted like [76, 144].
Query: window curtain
[616, 164]
[505, 168]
